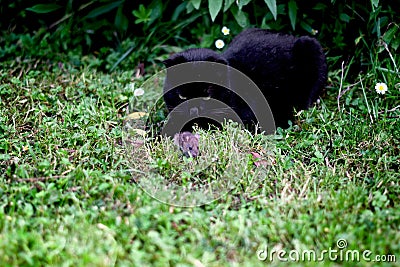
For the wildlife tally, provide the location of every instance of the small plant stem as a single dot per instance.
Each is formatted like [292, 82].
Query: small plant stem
[366, 101]
[340, 87]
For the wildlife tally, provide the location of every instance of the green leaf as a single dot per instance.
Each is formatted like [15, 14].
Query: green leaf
[242, 3]
[227, 4]
[389, 34]
[44, 8]
[103, 9]
[196, 3]
[189, 7]
[272, 7]
[214, 6]
[320, 6]
[344, 17]
[142, 14]
[156, 8]
[292, 6]
[5, 157]
[121, 21]
[395, 43]
[306, 26]
[178, 11]
[358, 39]
[123, 57]
[104, 186]
[375, 3]
[240, 16]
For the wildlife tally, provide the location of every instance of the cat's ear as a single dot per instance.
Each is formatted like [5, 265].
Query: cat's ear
[174, 60]
[306, 47]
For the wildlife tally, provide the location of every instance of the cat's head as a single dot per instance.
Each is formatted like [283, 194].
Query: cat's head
[194, 97]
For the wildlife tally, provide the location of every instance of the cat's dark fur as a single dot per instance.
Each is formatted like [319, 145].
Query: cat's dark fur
[202, 91]
[290, 72]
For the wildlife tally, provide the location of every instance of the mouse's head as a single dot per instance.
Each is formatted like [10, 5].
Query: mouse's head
[188, 143]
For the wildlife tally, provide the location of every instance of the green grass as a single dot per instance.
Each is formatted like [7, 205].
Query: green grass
[67, 197]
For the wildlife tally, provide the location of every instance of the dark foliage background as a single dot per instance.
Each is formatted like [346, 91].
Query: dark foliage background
[110, 34]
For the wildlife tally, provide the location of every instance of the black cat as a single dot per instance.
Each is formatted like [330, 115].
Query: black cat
[290, 72]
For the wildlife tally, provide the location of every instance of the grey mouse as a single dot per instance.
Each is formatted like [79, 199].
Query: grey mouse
[188, 143]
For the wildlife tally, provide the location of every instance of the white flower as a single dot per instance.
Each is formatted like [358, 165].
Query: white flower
[138, 92]
[219, 44]
[381, 88]
[225, 30]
